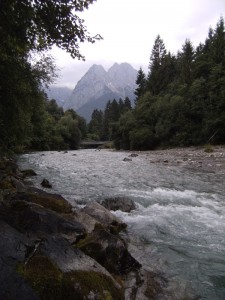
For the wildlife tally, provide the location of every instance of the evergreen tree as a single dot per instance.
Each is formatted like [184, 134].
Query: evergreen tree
[186, 61]
[141, 84]
[154, 80]
[127, 104]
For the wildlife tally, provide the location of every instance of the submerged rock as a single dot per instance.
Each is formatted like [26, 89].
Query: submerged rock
[28, 173]
[45, 183]
[127, 159]
[119, 203]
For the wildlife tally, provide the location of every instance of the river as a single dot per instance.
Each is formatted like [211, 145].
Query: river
[178, 228]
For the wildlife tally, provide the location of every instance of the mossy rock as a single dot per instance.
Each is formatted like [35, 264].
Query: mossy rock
[43, 276]
[58, 204]
[81, 285]
[110, 251]
[50, 201]
[52, 284]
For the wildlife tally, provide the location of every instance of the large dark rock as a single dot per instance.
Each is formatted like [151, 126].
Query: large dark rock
[50, 201]
[119, 203]
[45, 183]
[39, 222]
[110, 251]
[13, 249]
[28, 173]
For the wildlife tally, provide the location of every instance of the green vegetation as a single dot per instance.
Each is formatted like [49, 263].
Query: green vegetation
[27, 30]
[51, 283]
[104, 125]
[181, 101]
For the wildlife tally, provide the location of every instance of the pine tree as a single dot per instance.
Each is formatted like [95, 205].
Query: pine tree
[155, 66]
[141, 84]
[185, 61]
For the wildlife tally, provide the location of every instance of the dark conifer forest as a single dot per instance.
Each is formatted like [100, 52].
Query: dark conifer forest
[180, 102]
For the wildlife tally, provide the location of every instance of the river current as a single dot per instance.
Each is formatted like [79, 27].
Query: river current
[178, 228]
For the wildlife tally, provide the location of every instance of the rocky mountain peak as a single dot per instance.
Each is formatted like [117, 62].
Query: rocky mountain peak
[97, 86]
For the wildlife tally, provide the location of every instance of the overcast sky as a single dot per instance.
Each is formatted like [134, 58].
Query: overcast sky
[129, 29]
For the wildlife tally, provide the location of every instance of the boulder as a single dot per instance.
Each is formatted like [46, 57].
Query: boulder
[119, 203]
[133, 155]
[39, 222]
[28, 173]
[100, 213]
[127, 159]
[57, 271]
[109, 250]
[45, 183]
[54, 202]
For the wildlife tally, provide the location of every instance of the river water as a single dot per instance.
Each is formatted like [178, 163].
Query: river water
[178, 228]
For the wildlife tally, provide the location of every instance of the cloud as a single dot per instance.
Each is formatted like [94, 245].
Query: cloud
[129, 28]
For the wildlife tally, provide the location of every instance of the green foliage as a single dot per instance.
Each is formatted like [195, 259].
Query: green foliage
[183, 102]
[142, 139]
[103, 125]
[28, 28]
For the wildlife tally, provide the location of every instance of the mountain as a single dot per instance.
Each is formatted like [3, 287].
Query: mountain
[60, 94]
[97, 86]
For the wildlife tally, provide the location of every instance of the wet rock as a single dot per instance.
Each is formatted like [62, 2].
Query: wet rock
[37, 221]
[45, 183]
[110, 251]
[13, 247]
[54, 202]
[18, 184]
[127, 159]
[133, 155]
[100, 213]
[86, 220]
[28, 173]
[119, 203]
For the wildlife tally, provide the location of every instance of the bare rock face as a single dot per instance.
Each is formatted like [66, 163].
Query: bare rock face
[97, 86]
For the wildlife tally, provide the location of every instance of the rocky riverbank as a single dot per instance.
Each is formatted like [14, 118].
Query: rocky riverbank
[49, 250]
[209, 159]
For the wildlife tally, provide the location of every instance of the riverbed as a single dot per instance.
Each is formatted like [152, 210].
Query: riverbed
[177, 229]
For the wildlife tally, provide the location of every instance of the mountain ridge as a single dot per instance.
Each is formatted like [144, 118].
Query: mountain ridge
[94, 88]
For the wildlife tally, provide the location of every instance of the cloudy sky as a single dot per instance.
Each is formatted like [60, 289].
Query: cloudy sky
[129, 29]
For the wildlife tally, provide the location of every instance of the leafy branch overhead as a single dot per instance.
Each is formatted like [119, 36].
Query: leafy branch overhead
[27, 29]
[38, 25]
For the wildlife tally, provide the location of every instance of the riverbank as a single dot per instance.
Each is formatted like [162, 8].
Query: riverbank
[49, 250]
[209, 159]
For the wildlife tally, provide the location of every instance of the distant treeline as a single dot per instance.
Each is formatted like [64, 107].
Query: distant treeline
[181, 101]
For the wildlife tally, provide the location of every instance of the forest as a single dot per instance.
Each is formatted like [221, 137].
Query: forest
[180, 102]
